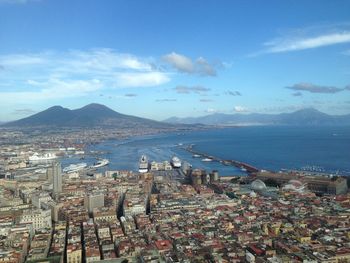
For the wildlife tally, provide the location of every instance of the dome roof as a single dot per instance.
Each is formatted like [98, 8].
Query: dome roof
[252, 194]
[294, 185]
[258, 185]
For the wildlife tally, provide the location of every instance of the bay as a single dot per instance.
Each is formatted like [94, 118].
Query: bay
[320, 149]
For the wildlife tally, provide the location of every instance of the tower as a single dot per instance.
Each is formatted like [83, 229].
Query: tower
[93, 200]
[57, 177]
[49, 174]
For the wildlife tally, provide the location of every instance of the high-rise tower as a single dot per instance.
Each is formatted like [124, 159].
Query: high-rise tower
[57, 177]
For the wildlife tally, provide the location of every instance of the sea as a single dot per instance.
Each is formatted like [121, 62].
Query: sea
[313, 149]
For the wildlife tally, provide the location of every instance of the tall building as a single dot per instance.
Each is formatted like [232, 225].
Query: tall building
[93, 200]
[49, 174]
[57, 177]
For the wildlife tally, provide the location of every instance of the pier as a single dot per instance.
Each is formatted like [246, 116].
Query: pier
[244, 166]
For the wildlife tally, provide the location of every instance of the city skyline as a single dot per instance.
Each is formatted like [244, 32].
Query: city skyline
[161, 59]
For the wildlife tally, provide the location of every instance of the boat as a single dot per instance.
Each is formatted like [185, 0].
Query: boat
[100, 163]
[207, 160]
[143, 165]
[175, 162]
[196, 156]
[42, 157]
[74, 167]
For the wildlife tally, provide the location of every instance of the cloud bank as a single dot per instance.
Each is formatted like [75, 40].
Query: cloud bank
[312, 88]
[53, 74]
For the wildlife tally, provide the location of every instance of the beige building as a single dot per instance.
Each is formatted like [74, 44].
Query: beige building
[38, 218]
[93, 200]
[74, 254]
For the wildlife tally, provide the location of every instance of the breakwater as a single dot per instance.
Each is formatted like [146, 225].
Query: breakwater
[243, 166]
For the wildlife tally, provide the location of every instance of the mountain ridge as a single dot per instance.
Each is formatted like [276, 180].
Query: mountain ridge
[306, 117]
[91, 115]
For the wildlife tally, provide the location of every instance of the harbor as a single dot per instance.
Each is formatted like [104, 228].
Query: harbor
[206, 157]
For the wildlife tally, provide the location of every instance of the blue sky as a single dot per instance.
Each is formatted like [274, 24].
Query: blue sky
[163, 58]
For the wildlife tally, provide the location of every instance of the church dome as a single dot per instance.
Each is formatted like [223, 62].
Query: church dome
[258, 185]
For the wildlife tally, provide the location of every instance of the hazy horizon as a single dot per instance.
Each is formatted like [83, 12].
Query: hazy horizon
[186, 117]
[161, 59]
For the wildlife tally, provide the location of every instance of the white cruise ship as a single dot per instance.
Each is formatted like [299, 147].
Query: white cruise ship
[175, 161]
[100, 163]
[74, 167]
[42, 157]
[143, 165]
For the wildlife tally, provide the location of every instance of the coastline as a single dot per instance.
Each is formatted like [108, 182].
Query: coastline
[237, 144]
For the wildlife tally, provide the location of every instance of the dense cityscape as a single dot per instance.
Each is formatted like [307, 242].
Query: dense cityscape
[166, 212]
[174, 131]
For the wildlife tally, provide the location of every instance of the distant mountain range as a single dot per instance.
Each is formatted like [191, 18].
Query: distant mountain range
[97, 115]
[92, 115]
[304, 117]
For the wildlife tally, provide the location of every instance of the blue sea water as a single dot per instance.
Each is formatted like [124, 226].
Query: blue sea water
[272, 148]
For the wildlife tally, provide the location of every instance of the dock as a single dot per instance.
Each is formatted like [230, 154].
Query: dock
[244, 166]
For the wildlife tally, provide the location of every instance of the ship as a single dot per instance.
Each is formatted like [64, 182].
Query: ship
[100, 163]
[175, 162]
[42, 157]
[143, 165]
[74, 167]
[207, 160]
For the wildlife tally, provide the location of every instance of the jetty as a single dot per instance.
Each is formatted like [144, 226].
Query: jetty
[244, 166]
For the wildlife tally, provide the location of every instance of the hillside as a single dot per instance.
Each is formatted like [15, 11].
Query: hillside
[92, 115]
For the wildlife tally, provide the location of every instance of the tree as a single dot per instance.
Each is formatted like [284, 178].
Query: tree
[272, 182]
[114, 176]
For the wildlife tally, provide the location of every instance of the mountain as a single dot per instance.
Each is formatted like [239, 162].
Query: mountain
[92, 115]
[304, 117]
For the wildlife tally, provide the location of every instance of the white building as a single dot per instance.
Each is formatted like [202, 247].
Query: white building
[39, 198]
[37, 217]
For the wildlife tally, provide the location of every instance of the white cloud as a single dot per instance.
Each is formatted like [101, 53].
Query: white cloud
[52, 89]
[211, 110]
[239, 109]
[23, 59]
[69, 74]
[294, 43]
[142, 79]
[102, 60]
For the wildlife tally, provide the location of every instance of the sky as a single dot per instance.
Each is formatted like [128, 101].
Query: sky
[162, 58]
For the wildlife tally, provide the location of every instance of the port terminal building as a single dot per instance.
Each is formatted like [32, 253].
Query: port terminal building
[319, 184]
